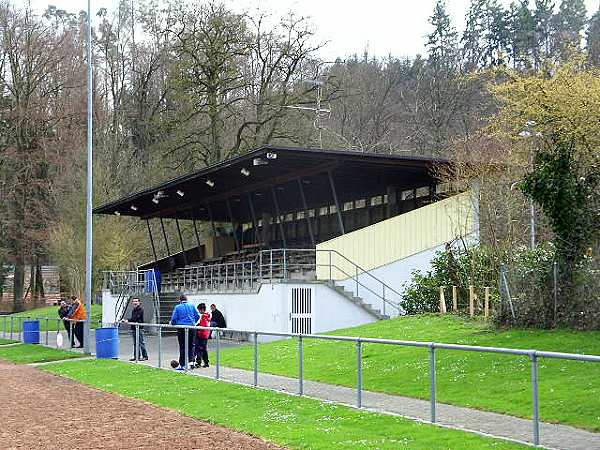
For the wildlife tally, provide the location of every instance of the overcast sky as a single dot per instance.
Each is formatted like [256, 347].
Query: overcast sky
[396, 27]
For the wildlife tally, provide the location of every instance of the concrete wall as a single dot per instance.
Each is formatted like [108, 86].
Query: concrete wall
[270, 308]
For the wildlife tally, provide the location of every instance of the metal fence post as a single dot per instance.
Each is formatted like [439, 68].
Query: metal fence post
[137, 343]
[255, 358]
[4, 327]
[433, 379]
[159, 346]
[555, 276]
[11, 327]
[359, 380]
[46, 331]
[218, 355]
[300, 366]
[186, 352]
[71, 337]
[535, 393]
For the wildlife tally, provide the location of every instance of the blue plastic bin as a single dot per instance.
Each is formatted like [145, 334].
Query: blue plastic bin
[107, 343]
[31, 332]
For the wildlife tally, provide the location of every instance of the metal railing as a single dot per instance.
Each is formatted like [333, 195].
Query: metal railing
[13, 328]
[129, 283]
[270, 266]
[238, 276]
[337, 269]
[433, 347]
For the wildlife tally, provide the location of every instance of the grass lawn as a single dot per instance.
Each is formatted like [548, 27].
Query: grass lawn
[26, 353]
[6, 341]
[40, 313]
[289, 421]
[569, 392]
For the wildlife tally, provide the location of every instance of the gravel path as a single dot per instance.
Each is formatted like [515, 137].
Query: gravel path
[43, 411]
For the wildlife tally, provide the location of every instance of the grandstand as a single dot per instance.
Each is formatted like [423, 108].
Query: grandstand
[293, 239]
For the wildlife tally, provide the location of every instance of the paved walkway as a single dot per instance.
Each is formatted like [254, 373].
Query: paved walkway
[493, 424]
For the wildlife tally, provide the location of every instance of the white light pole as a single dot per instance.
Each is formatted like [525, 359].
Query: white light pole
[88, 229]
[527, 134]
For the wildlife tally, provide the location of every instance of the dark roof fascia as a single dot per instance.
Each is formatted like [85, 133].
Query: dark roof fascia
[253, 153]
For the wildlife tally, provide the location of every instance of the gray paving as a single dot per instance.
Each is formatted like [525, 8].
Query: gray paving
[498, 425]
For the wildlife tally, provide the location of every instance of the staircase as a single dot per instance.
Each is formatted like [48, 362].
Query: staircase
[357, 300]
[168, 301]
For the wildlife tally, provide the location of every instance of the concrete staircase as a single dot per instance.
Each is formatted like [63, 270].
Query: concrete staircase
[357, 300]
[168, 301]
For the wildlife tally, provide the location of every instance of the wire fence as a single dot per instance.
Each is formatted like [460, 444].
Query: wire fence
[537, 295]
[358, 342]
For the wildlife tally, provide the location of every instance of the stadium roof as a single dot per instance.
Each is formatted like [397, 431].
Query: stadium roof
[224, 190]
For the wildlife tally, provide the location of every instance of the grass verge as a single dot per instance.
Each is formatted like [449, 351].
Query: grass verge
[27, 353]
[41, 313]
[7, 341]
[568, 391]
[289, 421]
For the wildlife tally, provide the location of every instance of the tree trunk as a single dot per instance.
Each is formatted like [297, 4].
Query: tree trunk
[19, 282]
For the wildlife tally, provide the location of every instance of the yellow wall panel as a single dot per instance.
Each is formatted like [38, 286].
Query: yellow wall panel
[397, 238]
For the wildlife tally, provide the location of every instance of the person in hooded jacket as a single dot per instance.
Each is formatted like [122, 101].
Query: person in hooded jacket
[202, 336]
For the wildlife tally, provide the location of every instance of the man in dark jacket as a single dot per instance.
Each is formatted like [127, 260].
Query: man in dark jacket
[217, 317]
[137, 316]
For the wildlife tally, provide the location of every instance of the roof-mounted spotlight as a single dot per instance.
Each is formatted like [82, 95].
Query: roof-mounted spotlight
[133, 208]
[180, 193]
[211, 183]
[155, 200]
[245, 172]
[117, 213]
[259, 162]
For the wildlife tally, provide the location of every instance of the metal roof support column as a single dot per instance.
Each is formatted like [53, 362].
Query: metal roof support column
[306, 216]
[276, 203]
[214, 229]
[254, 221]
[181, 240]
[235, 236]
[337, 203]
[151, 239]
[197, 239]
[162, 225]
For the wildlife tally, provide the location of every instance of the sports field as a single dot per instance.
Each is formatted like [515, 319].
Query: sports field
[134, 406]
[569, 393]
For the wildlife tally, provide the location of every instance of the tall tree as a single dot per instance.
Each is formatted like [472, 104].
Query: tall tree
[544, 30]
[40, 61]
[523, 44]
[569, 23]
[593, 40]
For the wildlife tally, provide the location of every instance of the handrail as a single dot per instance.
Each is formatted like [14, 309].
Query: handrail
[249, 272]
[384, 285]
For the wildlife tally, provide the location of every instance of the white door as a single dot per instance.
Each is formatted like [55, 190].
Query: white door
[301, 315]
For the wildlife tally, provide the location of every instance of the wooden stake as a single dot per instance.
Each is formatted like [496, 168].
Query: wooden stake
[486, 306]
[471, 301]
[454, 299]
[442, 301]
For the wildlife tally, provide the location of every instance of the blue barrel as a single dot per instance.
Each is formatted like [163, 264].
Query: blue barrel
[107, 343]
[31, 331]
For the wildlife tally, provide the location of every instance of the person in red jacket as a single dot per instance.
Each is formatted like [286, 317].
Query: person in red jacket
[202, 336]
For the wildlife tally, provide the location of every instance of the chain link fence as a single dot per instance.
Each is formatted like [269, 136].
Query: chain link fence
[548, 295]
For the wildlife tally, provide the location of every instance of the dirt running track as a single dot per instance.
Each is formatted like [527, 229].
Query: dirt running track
[42, 411]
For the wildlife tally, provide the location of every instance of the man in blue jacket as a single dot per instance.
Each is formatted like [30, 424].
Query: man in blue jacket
[185, 314]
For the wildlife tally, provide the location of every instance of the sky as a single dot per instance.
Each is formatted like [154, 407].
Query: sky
[396, 27]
